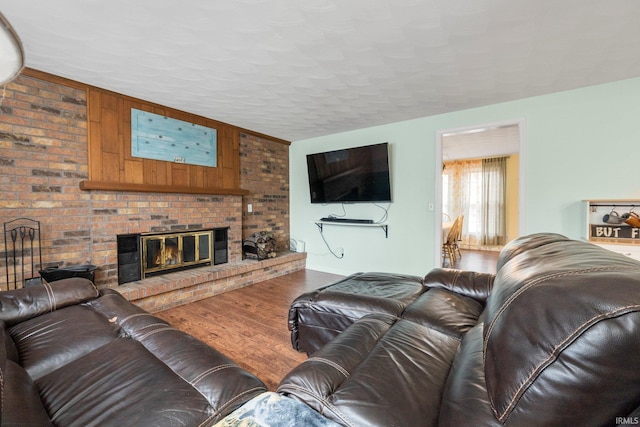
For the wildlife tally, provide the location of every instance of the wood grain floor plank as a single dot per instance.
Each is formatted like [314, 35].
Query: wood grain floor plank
[249, 325]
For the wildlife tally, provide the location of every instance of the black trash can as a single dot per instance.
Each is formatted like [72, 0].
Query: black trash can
[51, 274]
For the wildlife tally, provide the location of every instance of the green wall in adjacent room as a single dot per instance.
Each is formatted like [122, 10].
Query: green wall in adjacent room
[579, 144]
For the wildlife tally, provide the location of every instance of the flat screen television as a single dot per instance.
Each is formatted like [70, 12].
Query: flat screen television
[351, 175]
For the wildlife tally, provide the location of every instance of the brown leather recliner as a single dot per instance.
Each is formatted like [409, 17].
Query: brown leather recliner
[552, 340]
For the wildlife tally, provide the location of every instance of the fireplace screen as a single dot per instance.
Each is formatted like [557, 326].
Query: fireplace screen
[175, 251]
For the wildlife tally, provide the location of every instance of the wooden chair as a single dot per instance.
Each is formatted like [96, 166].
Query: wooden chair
[458, 237]
[450, 244]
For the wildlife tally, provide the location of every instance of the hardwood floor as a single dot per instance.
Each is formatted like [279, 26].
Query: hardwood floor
[481, 261]
[249, 325]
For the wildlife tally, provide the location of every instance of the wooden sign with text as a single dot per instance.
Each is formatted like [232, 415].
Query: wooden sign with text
[615, 232]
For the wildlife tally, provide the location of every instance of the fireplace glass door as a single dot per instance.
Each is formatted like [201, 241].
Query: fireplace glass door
[175, 251]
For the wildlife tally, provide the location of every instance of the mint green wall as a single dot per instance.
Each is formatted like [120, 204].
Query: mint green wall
[580, 144]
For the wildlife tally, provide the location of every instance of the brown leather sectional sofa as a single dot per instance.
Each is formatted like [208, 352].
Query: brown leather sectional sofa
[71, 355]
[552, 340]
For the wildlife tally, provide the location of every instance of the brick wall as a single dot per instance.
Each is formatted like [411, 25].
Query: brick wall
[43, 157]
[264, 169]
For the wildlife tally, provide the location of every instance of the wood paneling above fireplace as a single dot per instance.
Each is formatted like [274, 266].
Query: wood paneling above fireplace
[111, 165]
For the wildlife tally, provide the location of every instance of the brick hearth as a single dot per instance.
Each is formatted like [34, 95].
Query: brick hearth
[174, 289]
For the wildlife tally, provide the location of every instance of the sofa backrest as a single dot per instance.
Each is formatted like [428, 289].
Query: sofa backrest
[21, 304]
[562, 334]
[526, 243]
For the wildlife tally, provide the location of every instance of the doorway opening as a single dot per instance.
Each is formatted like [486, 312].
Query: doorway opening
[479, 188]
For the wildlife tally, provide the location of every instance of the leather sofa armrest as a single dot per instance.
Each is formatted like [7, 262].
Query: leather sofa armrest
[108, 291]
[22, 405]
[468, 283]
[22, 304]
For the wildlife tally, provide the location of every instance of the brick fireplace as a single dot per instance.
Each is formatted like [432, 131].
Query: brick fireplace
[44, 155]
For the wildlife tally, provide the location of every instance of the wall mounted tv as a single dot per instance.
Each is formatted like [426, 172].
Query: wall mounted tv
[358, 174]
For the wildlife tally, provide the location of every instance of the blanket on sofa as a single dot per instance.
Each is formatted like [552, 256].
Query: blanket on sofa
[271, 409]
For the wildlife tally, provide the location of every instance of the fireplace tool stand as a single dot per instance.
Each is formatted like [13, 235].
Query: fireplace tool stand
[22, 246]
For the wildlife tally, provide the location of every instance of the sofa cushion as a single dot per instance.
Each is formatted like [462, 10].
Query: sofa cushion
[52, 340]
[124, 383]
[121, 384]
[380, 371]
[134, 321]
[444, 311]
[562, 336]
[222, 382]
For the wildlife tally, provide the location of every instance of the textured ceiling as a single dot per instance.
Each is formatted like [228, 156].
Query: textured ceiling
[296, 69]
[481, 143]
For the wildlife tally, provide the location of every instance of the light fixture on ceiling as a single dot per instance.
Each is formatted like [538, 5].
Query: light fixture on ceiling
[11, 52]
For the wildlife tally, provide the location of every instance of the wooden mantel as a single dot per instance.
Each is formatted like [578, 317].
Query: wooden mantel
[150, 188]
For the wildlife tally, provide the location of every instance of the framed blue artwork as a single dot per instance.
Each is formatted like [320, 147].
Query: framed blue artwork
[162, 138]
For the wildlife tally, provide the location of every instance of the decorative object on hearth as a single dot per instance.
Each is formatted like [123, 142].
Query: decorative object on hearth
[12, 58]
[259, 245]
[296, 245]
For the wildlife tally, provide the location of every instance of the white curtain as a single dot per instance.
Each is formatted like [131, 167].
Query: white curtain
[493, 229]
[476, 189]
